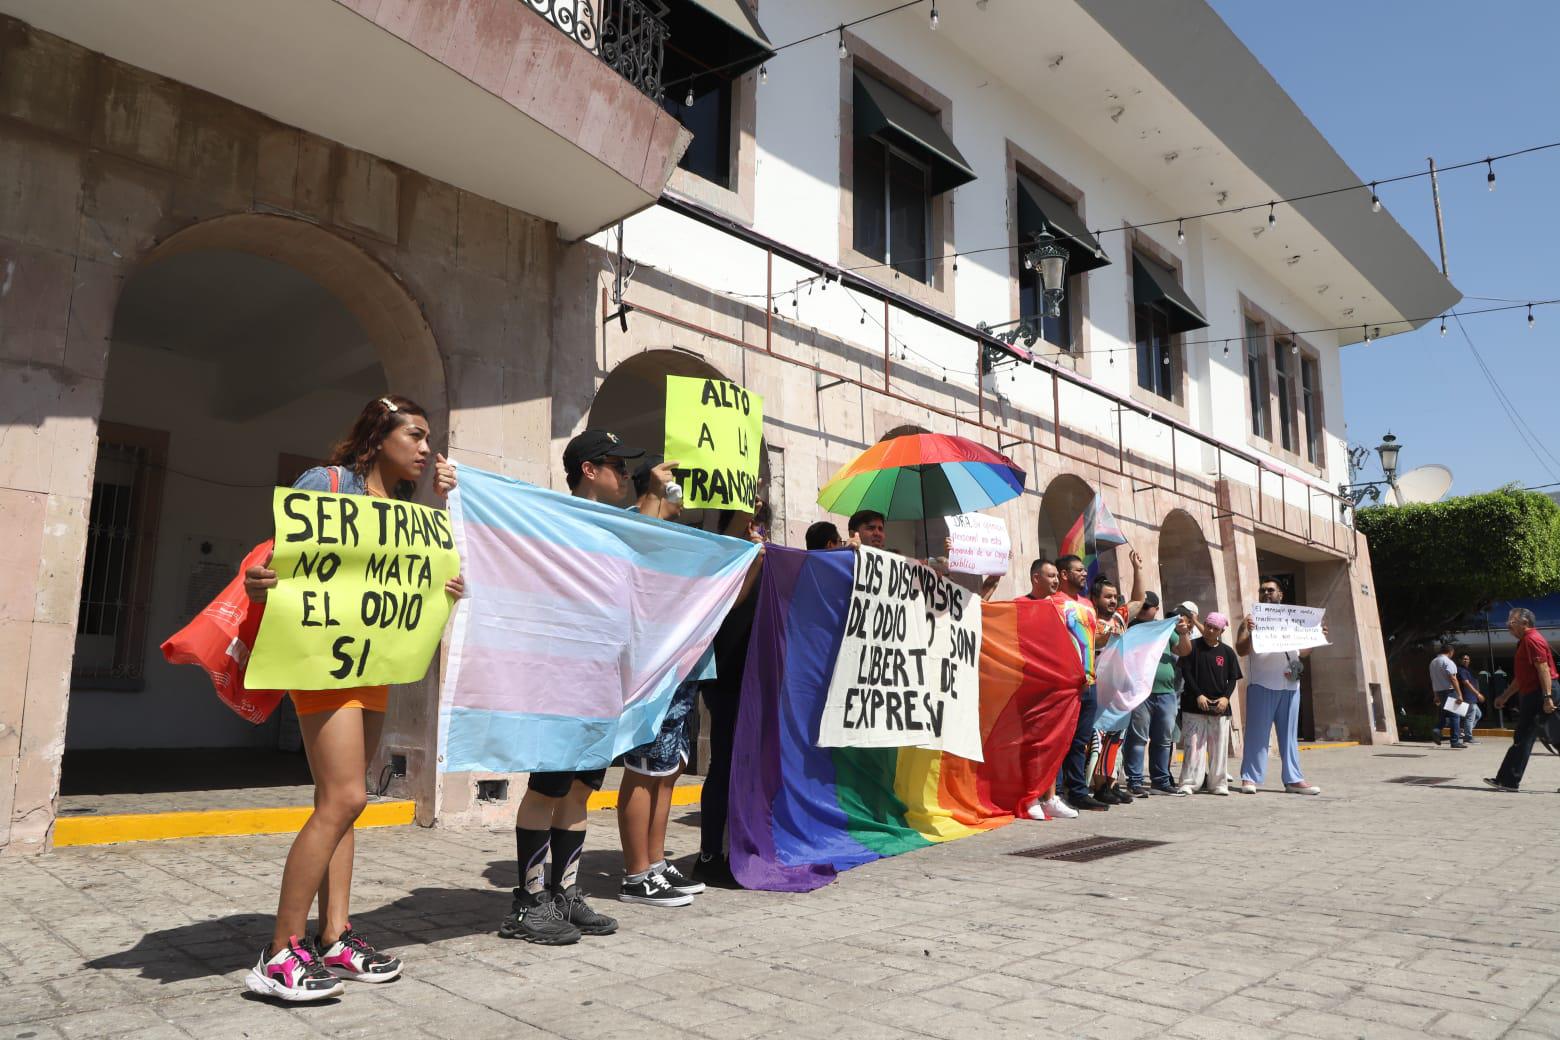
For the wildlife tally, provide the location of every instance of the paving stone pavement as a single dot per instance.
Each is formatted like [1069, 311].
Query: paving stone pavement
[1378, 910]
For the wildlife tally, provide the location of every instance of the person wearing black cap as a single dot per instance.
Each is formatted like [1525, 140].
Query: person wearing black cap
[549, 910]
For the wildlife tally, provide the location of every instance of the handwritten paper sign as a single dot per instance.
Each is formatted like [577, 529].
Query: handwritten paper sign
[908, 672]
[980, 544]
[1278, 627]
[359, 598]
[713, 429]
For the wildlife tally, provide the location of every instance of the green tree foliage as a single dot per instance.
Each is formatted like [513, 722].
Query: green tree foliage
[1439, 562]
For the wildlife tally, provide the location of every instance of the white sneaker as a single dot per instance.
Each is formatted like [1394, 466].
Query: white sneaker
[1221, 790]
[1247, 787]
[1302, 788]
[1036, 811]
[1056, 809]
[1186, 789]
[295, 974]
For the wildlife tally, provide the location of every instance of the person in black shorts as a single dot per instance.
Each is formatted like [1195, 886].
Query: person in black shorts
[548, 908]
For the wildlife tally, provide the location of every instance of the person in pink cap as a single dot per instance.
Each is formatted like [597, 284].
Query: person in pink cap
[1210, 671]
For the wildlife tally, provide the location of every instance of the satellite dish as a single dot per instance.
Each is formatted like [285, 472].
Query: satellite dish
[1424, 484]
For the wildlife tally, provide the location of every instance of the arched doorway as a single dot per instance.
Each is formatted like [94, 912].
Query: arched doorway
[631, 403]
[1063, 502]
[242, 348]
[1186, 563]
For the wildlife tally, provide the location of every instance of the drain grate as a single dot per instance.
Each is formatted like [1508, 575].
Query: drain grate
[1397, 756]
[1087, 850]
[1421, 781]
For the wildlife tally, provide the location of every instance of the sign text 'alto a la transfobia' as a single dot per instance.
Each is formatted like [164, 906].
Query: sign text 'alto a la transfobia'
[713, 432]
[359, 598]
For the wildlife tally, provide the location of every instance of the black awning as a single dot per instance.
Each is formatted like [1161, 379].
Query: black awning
[1155, 284]
[721, 35]
[1037, 206]
[882, 111]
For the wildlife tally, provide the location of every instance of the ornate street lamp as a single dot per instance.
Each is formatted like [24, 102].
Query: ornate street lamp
[1050, 260]
[1388, 450]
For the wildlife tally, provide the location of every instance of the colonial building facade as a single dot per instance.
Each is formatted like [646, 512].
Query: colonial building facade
[227, 225]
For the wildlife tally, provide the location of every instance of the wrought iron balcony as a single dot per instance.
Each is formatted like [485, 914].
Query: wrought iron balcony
[629, 35]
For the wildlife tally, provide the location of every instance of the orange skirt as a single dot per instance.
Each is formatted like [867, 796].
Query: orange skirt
[368, 698]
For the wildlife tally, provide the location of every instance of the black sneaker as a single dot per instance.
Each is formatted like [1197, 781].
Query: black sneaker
[714, 871]
[1122, 794]
[652, 890]
[571, 904]
[679, 881]
[536, 918]
[1088, 802]
[1138, 791]
[1458, 745]
[1499, 786]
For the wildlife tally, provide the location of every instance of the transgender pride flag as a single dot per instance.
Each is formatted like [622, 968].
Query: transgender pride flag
[1124, 673]
[579, 621]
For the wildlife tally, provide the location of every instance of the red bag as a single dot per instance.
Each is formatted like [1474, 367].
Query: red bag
[219, 640]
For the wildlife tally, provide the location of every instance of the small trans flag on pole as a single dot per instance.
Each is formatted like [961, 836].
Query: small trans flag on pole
[1095, 528]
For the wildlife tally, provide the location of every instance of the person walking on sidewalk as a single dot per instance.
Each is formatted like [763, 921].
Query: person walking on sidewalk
[1472, 695]
[384, 456]
[1211, 671]
[1272, 702]
[1444, 685]
[1532, 682]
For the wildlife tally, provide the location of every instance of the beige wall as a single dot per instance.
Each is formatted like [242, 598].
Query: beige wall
[106, 166]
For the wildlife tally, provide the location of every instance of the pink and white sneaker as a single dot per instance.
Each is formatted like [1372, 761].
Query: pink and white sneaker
[295, 974]
[351, 957]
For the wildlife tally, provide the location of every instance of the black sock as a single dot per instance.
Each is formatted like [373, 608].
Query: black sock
[566, 849]
[531, 851]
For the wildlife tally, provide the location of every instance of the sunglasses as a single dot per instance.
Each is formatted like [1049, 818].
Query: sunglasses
[608, 462]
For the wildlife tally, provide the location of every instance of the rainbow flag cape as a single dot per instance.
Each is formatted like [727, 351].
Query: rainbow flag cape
[1125, 674]
[579, 620]
[1096, 527]
[800, 814]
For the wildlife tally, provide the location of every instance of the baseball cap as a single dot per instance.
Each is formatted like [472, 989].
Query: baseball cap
[596, 444]
[1150, 600]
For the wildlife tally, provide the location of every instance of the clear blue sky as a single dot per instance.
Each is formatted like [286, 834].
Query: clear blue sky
[1390, 83]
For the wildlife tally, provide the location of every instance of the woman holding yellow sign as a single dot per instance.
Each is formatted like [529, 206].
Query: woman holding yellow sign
[384, 456]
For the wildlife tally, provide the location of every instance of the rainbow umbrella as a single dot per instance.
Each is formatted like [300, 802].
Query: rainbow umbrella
[922, 475]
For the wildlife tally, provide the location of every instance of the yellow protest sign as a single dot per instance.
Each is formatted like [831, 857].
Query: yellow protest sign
[359, 598]
[713, 430]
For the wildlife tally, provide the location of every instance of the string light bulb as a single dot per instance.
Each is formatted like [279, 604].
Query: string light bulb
[1530, 315]
[1489, 178]
[1443, 326]
[1226, 348]
[1180, 232]
[1272, 215]
[955, 263]
[843, 52]
[763, 74]
[934, 15]
[945, 375]
[1375, 200]
[1294, 348]
[1366, 330]
[688, 98]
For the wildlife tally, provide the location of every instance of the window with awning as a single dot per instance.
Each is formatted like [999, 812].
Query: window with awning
[1040, 209]
[710, 45]
[1161, 311]
[903, 158]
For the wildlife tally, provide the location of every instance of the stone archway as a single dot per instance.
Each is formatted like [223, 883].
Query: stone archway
[1061, 504]
[238, 347]
[1186, 569]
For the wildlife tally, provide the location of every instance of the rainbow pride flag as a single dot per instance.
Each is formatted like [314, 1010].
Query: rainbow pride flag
[800, 813]
[1096, 527]
[579, 620]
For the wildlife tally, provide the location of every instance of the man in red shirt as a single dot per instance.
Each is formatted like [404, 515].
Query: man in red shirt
[1533, 683]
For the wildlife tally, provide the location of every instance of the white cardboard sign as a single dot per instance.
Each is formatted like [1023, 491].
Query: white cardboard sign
[1278, 627]
[979, 544]
[908, 669]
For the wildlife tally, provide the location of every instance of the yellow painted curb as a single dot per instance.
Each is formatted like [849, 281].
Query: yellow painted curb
[683, 794]
[1324, 745]
[107, 830]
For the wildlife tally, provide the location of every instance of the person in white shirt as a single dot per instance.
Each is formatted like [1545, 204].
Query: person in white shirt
[1272, 702]
[1443, 684]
